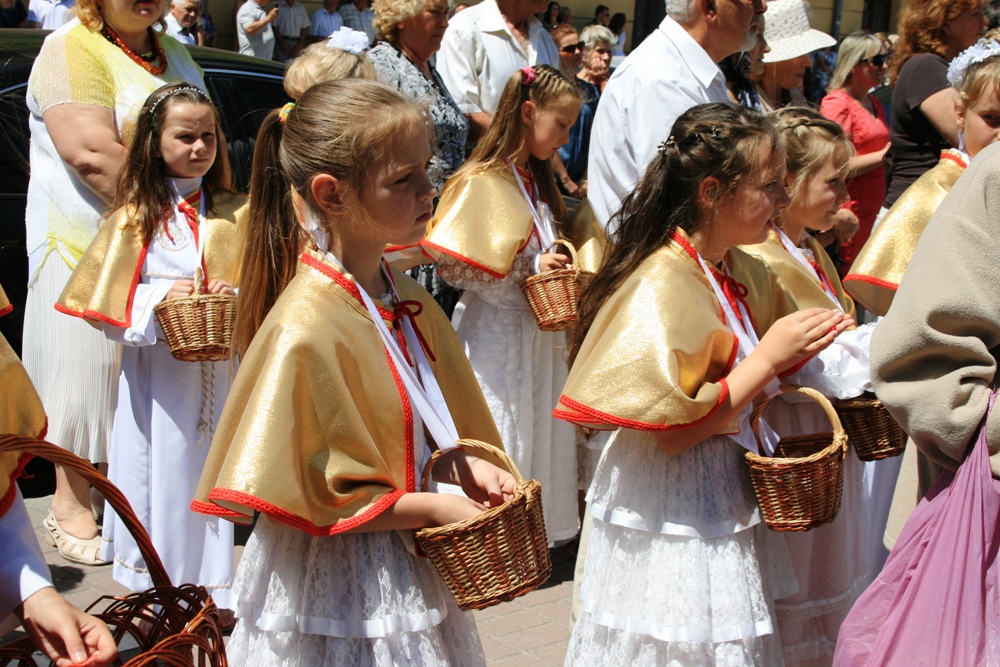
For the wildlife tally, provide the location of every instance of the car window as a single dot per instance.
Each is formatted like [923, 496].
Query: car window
[243, 99]
[13, 141]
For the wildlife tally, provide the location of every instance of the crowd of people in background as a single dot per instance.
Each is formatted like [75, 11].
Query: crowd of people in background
[778, 178]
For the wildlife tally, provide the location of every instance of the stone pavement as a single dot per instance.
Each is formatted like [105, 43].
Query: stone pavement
[530, 631]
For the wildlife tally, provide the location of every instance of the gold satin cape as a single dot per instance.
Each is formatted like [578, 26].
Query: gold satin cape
[658, 352]
[483, 221]
[874, 277]
[318, 428]
[103, 284]
[777, 283]
[21, 412]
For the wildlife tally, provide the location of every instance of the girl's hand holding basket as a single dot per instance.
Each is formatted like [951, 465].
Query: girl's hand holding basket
[480, 480]
[185, 288]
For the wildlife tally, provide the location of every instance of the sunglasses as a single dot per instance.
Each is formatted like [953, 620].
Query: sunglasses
[878, 60]
[573, 48]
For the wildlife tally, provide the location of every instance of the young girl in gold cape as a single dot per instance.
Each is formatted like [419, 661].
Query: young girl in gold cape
[322, 435]
[875, 275]
[679, 567]
[174, 213]
[488, 235]
[788, 273]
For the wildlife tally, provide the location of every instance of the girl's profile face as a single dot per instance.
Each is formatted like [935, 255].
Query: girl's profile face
[744, 217]
[400, 197]
[187, 140]
[820, 197]
[548, 128]
[980, 122]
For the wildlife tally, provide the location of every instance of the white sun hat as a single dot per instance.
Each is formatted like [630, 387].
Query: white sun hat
[788, 33]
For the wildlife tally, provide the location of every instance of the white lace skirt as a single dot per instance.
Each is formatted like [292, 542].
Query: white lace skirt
[679, 568]
[72, 365]
[357, 600]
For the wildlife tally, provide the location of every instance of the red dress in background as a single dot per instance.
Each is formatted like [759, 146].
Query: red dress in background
[869, 135]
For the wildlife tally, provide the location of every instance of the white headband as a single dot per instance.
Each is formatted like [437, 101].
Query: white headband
[345, 39]
[977, 53]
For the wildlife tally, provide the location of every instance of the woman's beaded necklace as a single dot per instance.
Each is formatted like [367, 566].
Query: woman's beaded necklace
[158, 54]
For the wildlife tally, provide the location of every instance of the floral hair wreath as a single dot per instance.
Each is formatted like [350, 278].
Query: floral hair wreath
[671, 141]
[345, 39]
[977, 53]
[528, 75]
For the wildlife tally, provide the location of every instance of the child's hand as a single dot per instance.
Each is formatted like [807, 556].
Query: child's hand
[448, 508]
[550, 261]
[480, 480]
[181, 289]
[216, 286]
[65, 634]
[799, 336]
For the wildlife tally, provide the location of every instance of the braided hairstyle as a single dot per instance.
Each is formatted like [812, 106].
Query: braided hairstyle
[721, 141]
[810, 140]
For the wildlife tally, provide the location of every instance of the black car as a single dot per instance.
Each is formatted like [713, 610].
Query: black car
[244, 89]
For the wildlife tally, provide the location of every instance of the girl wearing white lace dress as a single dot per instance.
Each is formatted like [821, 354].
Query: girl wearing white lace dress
[680, 570]
[492, 229]
[790, 272]
[324, 432]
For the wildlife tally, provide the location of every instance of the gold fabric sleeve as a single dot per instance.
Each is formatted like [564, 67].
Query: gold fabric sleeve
[657, 353]
[777, 283]
[481, 220]
[318, 430]
[587, 236]
[875, 275]
[21, 412]
[103, 283]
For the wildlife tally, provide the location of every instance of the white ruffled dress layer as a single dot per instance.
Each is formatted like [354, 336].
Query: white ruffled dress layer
[831, 562]
[680, 570]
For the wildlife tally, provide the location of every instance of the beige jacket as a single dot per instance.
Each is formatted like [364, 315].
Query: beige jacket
[934, 356]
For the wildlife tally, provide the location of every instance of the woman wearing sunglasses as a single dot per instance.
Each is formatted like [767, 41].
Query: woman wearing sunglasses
[861, 66]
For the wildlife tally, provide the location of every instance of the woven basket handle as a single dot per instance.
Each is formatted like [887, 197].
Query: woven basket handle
[574, 261]
[479, 449]
[199, 281]
[787, 388]
[111, 493]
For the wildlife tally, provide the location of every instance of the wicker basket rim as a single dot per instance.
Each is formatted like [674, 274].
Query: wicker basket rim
[556, 273]
[194, 299]
[839, 440]
[481, 519]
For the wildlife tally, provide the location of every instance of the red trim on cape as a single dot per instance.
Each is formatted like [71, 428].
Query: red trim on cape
[596, 416]
[878, 282]
[101, 317]
[219, 511]
[8, 310]
[679, 239]
[349, 286]
[465, 260]
[948, 155]
[294, 520]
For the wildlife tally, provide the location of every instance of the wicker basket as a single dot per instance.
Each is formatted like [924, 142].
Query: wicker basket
[554, 296]
[801, 486]
[495, 556]
[199, 327]
[871, 429]
[174, 626]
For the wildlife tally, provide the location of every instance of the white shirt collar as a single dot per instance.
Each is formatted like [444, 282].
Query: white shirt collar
[493, 21]
[696, 58]
[183, 186]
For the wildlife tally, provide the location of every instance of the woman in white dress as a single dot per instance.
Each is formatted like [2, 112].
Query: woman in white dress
[84, 94]
[680, 570]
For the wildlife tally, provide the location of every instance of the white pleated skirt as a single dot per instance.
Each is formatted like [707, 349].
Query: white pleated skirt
[73, 367]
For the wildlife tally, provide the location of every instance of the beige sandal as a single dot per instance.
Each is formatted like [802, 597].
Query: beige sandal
[73, 549]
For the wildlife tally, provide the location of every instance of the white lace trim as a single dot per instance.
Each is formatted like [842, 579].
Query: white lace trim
[663, 633]
[329, 627]
[627, 519]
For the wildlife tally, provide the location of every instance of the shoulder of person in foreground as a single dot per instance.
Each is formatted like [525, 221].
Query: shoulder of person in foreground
[932, 356]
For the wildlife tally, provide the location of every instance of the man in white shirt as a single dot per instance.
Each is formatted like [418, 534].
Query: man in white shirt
[672, 70]
[49, 14]
[182, 20]
[291, 30]
[357, 16]
[253, 29]
[483, 46]
[325, 21]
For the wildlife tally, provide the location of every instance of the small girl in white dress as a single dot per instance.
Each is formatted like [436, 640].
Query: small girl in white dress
[679, 569]
[324, 431]
[173, 213]
[497, 217]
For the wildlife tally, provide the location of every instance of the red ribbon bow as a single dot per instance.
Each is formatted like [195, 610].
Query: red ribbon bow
[411, 309]
[735, 293]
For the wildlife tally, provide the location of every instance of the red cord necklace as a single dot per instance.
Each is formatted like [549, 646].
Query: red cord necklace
[158, 54]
